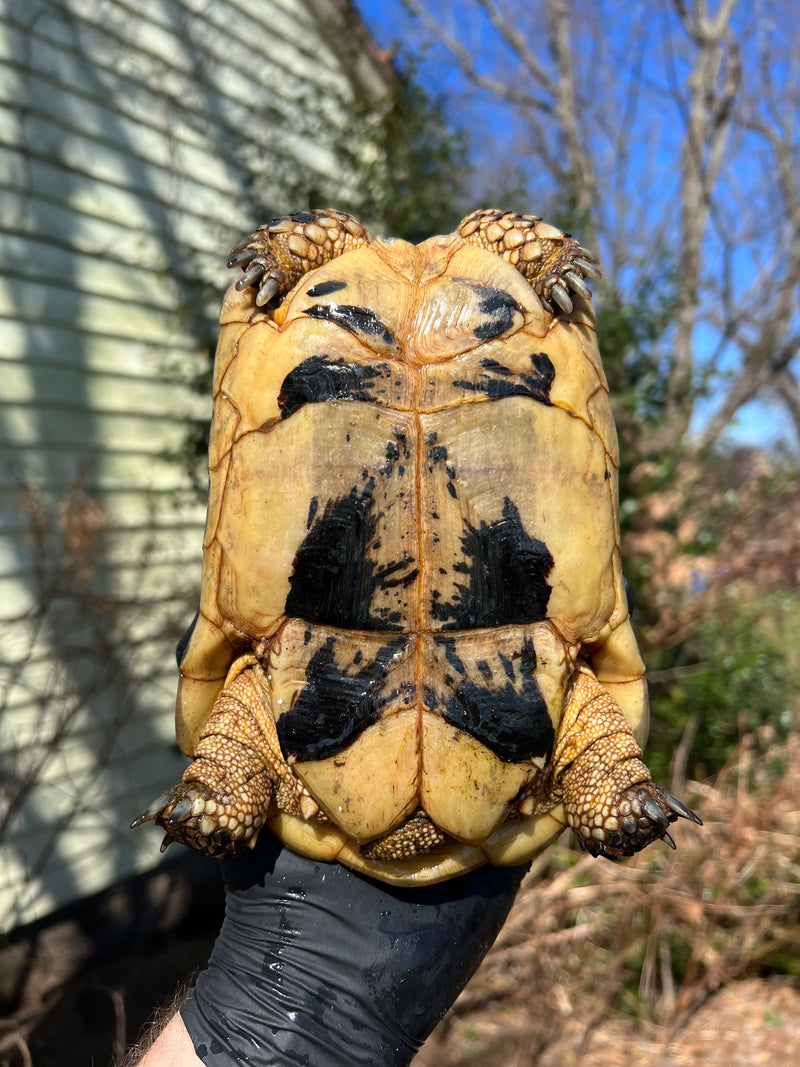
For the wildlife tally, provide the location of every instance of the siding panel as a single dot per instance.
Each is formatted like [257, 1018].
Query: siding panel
[138, 142]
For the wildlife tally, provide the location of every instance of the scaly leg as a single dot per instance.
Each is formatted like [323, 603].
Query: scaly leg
[278, 254]
[238, 777]
[417, 836]
[612, 803]
[553, 262]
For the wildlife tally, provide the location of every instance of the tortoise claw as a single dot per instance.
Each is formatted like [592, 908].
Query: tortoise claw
[577, 284]
[151, 811]
[269, 288]
[181, 811]
[251, 277]
[561, 297]
[241, 255]
[654, 812]
[244, 243]
[680, 809]
[589, 270]
[587, 254]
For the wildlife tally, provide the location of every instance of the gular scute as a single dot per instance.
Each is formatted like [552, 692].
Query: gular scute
[333, 285]
[412, 601]
[319, 378]
[325, 288]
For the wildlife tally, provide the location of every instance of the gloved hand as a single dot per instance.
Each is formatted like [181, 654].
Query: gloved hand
[318, 965]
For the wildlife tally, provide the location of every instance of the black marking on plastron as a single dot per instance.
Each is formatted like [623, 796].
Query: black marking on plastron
[498, 380]
[499, 307]
[452, 656]
[313, 507]
[396, 452]
[436, 453]
[318, 379]
[484, 669]
[505, 571]
[392, 456]
[335, 707]
[335, 576]
[326, 288]
[508, 666]
[512, 721]
[362, 322]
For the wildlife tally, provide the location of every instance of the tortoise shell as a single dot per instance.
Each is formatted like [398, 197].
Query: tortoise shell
[413, 539]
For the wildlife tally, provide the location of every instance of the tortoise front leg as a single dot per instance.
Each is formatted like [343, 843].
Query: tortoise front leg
[238, 778]
[278, 254]
[611, 802]
[552, 261]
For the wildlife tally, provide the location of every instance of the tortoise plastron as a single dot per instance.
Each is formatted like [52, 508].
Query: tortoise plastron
[413, 652]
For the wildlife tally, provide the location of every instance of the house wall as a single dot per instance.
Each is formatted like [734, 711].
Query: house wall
[138, 142]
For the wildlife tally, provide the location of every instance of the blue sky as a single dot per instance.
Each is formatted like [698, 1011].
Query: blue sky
[634, 49]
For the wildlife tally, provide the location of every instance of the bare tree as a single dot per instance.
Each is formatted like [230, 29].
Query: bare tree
[666, 133]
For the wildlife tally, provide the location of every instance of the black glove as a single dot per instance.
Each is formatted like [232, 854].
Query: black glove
[318, 965]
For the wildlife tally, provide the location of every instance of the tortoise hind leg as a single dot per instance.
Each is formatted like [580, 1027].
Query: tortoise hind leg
[278, 254]
[238, 777]
[612, 803]
[553, 262]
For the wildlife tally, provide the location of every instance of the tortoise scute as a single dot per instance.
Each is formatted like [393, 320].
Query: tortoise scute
[413, 653]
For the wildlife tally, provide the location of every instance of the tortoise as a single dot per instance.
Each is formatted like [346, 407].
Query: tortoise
[413, 652]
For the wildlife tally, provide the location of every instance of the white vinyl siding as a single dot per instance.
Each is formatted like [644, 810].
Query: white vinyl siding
[138, 142]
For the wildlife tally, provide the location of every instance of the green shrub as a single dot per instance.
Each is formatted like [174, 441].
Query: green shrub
[735, 675]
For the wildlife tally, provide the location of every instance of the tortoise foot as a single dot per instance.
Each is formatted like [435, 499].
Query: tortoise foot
[193, 815]
[552, 261]
[642, 815]
[611, 802]
[279, 254]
